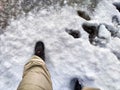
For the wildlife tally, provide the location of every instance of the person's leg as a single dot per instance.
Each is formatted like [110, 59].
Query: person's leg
[78, 86]
[36, 75]
[90, 88]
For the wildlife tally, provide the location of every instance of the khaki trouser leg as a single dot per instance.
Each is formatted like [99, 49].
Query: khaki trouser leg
[35, 76]
[89, 88]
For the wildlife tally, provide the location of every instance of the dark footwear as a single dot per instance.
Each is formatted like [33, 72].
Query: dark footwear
[39, 50]
[77, 86]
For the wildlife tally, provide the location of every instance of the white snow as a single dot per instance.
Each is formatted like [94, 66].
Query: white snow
[66, 57]
[103, 34]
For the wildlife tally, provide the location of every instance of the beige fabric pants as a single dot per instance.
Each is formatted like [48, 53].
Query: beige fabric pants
[89, 88]
[35, 76]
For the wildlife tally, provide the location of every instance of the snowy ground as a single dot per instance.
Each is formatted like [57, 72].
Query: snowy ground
[66, 57]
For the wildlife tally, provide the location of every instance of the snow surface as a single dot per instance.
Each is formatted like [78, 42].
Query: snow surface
[66, 57]
[104, 34]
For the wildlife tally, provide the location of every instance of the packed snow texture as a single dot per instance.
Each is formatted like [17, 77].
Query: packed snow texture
[66, 57]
